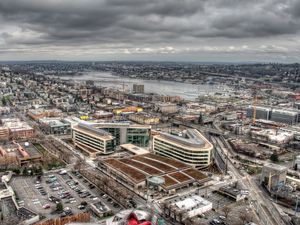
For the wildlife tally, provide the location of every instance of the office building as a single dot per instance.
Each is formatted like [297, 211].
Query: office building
[192, 148]
[138, 88]
[92, 141]
[55, 126]
[284, 116]
[102, 138]
[261, 112]
[127, 133]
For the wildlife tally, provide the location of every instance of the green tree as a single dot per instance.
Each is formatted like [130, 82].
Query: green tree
[25, 171]
[17, 171]
[4, 102]
[59, 207]
[84, 203]
[274, 157]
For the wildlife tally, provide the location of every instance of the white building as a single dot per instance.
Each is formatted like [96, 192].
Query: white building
[192, 206]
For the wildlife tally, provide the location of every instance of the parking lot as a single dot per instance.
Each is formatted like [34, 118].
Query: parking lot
[70, 188]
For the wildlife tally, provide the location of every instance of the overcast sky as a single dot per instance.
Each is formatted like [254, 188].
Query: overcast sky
[181, 30]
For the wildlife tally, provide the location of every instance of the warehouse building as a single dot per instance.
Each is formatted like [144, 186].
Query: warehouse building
[192, 148]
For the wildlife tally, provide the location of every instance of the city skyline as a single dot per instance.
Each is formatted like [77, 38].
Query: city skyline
[206, 31]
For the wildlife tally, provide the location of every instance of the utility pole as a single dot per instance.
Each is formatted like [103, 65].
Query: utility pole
[296, 207]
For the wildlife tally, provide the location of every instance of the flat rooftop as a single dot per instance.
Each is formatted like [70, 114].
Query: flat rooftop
[134, 149]
[193, 201]
[92, 131]
[26, 146]
[54, 122]
[275, 167]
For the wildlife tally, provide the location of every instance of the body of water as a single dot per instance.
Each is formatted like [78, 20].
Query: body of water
[184, 90]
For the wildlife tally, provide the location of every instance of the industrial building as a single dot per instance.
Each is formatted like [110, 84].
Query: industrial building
[102, 138]
[192, 148]
[133, 172]
[273, 176]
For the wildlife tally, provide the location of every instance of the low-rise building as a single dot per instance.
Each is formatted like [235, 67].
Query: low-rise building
[4, 133]
[42, 113]
[23, 153]
[18, 129]
[188, 207]
[144, 118]
[4, 110]
[55, 126]
[166, 108]
[134, 172]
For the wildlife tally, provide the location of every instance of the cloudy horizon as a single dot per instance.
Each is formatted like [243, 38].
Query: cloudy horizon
[169, 30]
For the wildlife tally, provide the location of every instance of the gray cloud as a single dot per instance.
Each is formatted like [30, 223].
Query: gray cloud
[56, 28]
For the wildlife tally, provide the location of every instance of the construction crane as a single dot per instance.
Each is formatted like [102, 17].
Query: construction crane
[254, 107]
